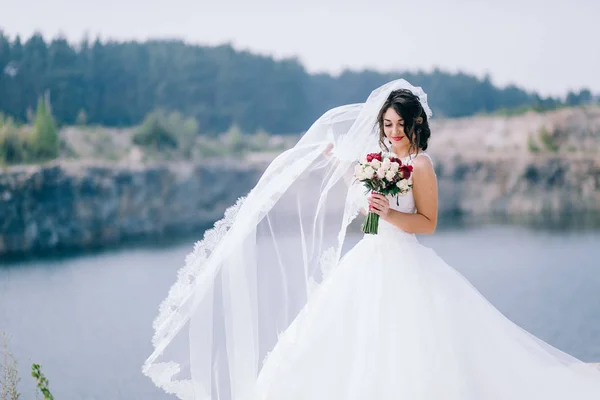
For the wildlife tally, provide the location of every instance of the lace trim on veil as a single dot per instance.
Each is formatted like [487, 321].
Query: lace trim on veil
[169, 321]
[188, 273]
[162, 373]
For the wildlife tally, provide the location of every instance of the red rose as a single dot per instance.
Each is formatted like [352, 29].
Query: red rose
[406, 171]
[374, 156]
[396, 159]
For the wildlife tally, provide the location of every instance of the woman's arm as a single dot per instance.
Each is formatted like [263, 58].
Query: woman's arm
[425, 192]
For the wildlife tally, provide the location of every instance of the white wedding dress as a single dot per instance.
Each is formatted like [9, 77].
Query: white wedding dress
[394, 321]
[386, 320]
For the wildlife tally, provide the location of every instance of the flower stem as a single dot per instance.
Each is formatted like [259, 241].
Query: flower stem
[371, 224]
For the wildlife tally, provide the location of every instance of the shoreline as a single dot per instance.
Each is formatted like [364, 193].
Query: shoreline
[64, 206]
[446, 223]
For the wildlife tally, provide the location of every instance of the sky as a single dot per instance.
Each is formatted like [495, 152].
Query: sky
[548, 46]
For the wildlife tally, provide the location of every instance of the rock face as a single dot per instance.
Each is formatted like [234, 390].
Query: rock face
[540, 186]
[76, 206]
[541, 166]
[563, 131]
[70, 206]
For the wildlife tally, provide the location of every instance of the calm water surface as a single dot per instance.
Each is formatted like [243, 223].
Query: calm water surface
[88, 318]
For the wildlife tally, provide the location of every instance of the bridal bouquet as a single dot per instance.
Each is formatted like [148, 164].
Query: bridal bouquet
[382, 174]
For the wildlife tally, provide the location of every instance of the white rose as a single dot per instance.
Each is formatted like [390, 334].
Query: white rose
[358, 170]
[386, 164]
[403, 185]
[394, 166]
[363, 160]
[381, 173]
[369, 172]
[390, 175]
[375, 164]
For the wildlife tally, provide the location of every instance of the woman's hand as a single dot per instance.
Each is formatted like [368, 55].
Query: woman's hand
[379, 204]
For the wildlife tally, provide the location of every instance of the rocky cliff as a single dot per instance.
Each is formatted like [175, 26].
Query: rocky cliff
[71, 205]
[540, 186]
[539, 166]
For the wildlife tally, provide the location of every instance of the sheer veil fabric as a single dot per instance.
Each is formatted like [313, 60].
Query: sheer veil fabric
[267, 307]
[250, 275]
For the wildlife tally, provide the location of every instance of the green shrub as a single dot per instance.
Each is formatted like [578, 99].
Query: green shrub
[154, 133]
[43, 141]
[260, 141]
[12, 143]
[42, 381]
[186, 131]
[548, 140]
[162, 131]
[234, 140]
[173, 136]
[532, 145]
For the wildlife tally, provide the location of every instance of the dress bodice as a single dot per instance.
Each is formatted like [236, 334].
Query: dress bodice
[405, 203]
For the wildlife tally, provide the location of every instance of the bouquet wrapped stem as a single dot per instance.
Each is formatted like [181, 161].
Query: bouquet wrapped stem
[371, 224]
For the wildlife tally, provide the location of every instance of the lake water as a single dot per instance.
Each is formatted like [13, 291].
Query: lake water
[87, 319]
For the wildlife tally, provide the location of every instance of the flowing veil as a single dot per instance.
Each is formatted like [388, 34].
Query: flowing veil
[249, 277]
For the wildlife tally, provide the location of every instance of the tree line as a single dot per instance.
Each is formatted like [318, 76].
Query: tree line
[119, 83]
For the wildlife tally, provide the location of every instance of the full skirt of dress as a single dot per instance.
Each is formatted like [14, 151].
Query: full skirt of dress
[394, 321]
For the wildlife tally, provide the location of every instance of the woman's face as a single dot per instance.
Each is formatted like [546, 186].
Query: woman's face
[393, 127]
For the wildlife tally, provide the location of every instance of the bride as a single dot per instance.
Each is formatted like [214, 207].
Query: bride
[272, 305]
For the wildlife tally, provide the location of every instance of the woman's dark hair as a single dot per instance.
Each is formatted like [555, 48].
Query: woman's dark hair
[409, 108]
